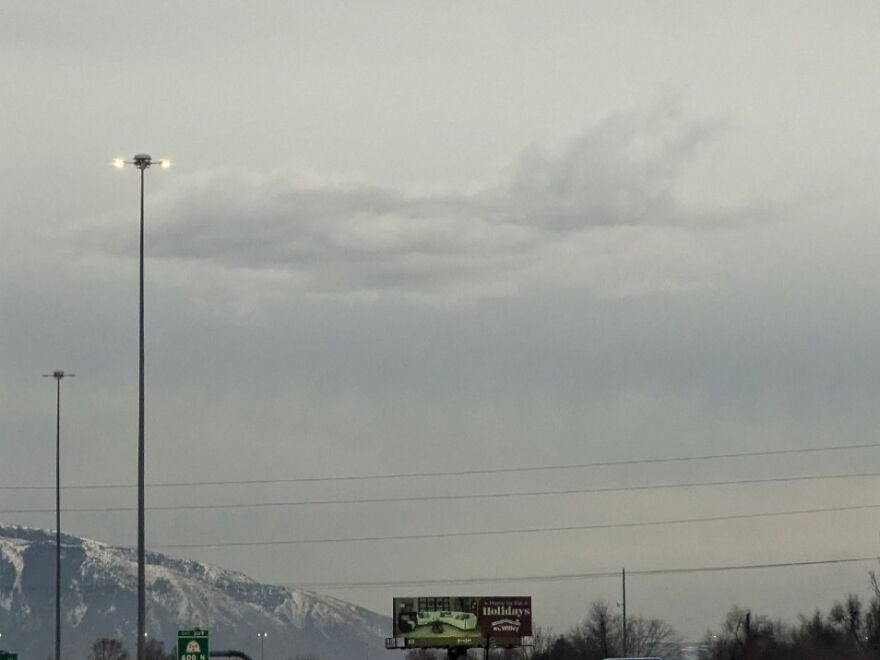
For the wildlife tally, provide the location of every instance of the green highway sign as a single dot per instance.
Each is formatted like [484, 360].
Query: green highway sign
[6, 655]
[191, 644]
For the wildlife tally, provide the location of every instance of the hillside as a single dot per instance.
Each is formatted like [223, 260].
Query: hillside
[99, 599]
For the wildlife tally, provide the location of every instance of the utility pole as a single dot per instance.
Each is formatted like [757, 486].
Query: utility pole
[623, 576]
[748, 632]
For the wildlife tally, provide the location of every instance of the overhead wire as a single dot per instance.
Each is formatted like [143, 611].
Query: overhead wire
[453, 473]
[552, 577]
[557, 577]
[532, 530]
[525, 530]
[457, 496]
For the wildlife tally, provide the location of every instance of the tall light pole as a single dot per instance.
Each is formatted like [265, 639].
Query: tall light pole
[262, 637]
[58, 376]
[141, 162]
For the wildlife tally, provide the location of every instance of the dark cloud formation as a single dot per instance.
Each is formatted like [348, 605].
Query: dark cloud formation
[349, 236]
[623, 172]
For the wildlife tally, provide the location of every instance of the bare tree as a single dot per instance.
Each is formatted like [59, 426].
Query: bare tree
[599, 633]
[542, 640]
[155, 650]
[848, 616]
[107, 649]
[652, 637]
[746, 637]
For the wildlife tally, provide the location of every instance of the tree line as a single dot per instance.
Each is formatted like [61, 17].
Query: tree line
[849, 630]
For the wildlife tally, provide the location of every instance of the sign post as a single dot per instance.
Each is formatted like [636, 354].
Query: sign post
[192, 644]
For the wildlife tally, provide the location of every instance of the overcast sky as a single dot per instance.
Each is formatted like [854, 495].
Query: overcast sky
[439, 236]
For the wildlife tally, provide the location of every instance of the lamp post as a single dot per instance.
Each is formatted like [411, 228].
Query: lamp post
[141, 162]
[58, 376]
[262, 637]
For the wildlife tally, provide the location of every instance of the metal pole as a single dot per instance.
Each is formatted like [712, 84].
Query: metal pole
[142, 162]
[625, 650]
[58, 376]
[140, 552]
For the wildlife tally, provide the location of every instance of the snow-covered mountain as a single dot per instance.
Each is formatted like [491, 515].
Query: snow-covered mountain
[99, 599]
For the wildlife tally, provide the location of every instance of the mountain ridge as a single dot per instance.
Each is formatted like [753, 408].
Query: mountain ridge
[99, 589]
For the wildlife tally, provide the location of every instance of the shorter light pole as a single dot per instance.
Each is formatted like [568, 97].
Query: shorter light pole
[262, 637]
[58, 376]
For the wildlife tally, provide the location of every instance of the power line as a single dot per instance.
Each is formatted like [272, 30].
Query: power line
[455, 473]
[557, 577]
[527, 530]
[474, 496]
[554, 577]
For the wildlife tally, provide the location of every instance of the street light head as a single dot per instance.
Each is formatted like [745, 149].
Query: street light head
[58, 375]
[118, 163]
[164, 163]
[142, 161]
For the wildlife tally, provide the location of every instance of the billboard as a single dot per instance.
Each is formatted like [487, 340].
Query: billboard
[447, 621]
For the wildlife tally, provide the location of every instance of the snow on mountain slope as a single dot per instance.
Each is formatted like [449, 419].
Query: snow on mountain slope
[99, 599]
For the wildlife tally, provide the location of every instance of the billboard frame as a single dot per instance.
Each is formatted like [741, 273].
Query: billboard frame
[458, 623]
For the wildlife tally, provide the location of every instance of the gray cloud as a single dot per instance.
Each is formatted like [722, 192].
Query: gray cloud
[563, 214]
[623, 172]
